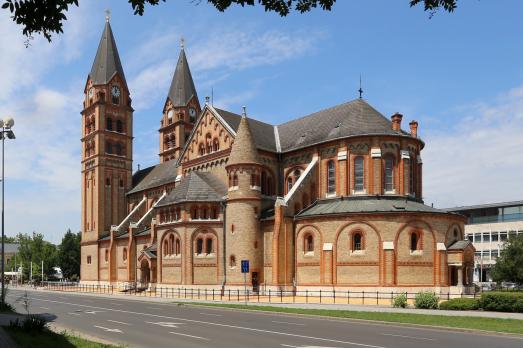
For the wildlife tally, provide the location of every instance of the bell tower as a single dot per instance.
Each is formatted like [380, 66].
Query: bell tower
[107, 136]
[180, 111]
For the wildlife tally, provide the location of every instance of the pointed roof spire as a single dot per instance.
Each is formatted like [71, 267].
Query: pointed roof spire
[243, 149]
[107, 61]
[182, 86]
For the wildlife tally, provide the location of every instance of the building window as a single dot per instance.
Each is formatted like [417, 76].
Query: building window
[214, 213]
[309, 243]
[235, 180]
[118, 149]
[201, 150]
[109, 147]
[199, 246]
[232, 261]
[389, 174]
[331, 177]
[108, 182]
[177, 248]
[120, 183]
[119, 126]
[89, 260]
[165, 248]
[109, 124]
[124, 256]
[359, 176]
[412, 172]
[293, 177]
[289, 184]
[414, 241]
[106, 255]
[215, 145]
[208, 245]
[357, 240]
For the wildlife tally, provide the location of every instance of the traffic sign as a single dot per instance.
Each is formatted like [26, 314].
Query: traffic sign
[245, 266]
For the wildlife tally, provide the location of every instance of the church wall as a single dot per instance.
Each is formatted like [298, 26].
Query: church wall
[121, 245]
[89, 271]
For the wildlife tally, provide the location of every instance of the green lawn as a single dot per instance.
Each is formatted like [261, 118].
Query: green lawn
[487, 324]
[50, 339]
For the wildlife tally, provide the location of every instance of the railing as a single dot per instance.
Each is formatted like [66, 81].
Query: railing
[240, 295]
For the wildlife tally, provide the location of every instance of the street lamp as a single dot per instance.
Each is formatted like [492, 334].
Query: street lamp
[6, 131]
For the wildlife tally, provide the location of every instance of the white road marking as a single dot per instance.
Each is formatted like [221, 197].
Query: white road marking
[413, 337]
[108, 329]
[155, 308]
[288, 345]
[181, 334]
[118, 322]
[165, 324]
[93, 312]
[75, 313]
[286, 322]
[117, 304]
[212, 315]
[44, 308]
[225, 325]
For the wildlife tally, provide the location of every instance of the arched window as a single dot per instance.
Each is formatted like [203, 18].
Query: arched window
[203, 213]
[106, 255]
[331, 177]
[177, 247]
[359, 176]
[264, 183]
[199, 246]
[389, 174]
[124, 255]
[171, 244]
[309, 243]
[178, 214]
[118, 149]
[293, 178]
[269, 191]
[414, 241]
[194, 213]
[215, 145]
[357, 241]
[120, 182]
[165, 248]
[235, 180]
[214, 213]
[107, 181]
[232, 261]
[109, 147]
[109, 124]
[119, 126]
[89, 259]
[412, 176]
[289, 184]
[201, 149]
[208, 246]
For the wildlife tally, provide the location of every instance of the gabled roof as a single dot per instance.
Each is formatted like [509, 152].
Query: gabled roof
[356, 117]
[158, 175]
[367, 204]
[182, 86]
[460, 245]
[107, 61]
[196, 187]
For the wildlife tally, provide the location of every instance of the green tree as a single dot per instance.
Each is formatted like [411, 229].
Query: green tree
[47, 17]
[509, 266]
[33, 248]
[69, 254]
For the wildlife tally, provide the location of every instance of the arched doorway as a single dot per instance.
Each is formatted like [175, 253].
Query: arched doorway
[145, 273]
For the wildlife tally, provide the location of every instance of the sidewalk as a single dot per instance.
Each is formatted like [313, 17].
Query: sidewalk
[346, 307]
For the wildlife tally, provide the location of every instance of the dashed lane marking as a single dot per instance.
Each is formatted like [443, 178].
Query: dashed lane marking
[106, 329]
[286, 322]
[212, 315]
[181, 334]
[411, 337]
[118, 322]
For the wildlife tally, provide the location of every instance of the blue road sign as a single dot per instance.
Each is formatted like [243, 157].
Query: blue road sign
[245, 266]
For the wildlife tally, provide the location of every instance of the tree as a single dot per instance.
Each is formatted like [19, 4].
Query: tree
[509, 266]
[35, 249]
[69, 254]
[47, 17]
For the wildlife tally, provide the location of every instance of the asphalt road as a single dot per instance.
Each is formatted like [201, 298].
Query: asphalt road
[152, 324]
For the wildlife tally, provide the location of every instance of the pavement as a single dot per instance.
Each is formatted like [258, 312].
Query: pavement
[155, 322]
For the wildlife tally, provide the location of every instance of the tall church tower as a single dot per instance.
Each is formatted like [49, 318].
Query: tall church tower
[180, 111]
[106, 150]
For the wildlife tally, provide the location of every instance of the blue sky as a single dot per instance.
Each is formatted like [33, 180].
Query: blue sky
[460, 75]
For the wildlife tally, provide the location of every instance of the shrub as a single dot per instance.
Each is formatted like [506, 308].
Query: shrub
[31, 322]
[460, 304]
[502, 301]
[426, 300]
[400, 301]
[6, 307]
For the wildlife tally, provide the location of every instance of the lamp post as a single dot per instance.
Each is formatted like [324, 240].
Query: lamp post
[6, 131]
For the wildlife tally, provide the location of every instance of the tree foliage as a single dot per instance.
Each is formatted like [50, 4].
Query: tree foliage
[33, 248]
[69, 254]
[509, 265]
[47, 17]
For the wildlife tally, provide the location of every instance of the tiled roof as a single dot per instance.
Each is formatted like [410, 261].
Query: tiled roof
[196, 187]
[459, 245]
[182, 86]
[11, 248]
[356, 117]
[143, 233]
[367, 204]
[107, 61]
[244, 149]
[161, 174]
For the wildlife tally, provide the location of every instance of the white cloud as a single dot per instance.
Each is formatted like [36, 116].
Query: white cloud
[479, 159]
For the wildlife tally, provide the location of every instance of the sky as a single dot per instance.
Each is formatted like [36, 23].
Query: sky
[459, 75]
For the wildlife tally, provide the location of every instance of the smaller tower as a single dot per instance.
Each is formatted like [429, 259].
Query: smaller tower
[244, 240]
[180, 111]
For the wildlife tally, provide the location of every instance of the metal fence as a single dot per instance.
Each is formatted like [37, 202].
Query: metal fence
[261, 296]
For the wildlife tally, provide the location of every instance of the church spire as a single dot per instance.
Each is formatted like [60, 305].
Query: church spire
[182, 86]
[107, 61]
[243, 149]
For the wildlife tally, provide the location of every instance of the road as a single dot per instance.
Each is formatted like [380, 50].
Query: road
[153, 324]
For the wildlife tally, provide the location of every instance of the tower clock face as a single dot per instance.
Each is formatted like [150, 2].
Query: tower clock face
[91, 92]
[115, 91]
[170, 114]
[192, 112]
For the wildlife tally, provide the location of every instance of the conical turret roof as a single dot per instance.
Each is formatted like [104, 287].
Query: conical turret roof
[243, 149]
[107, 61]
[182, 86]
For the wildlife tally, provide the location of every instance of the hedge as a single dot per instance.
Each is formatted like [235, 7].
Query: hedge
[460, 304]
[502, 301]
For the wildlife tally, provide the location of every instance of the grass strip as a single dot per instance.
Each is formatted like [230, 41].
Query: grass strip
[44, 339]
[512, 326]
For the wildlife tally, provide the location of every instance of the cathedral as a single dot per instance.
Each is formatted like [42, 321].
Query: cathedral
[331, 200]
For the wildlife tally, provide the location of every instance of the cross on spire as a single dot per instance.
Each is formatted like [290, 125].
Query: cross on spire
[360, 91]
[107, 14]
[182, 43]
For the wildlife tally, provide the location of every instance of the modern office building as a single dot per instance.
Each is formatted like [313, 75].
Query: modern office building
[488, 227]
